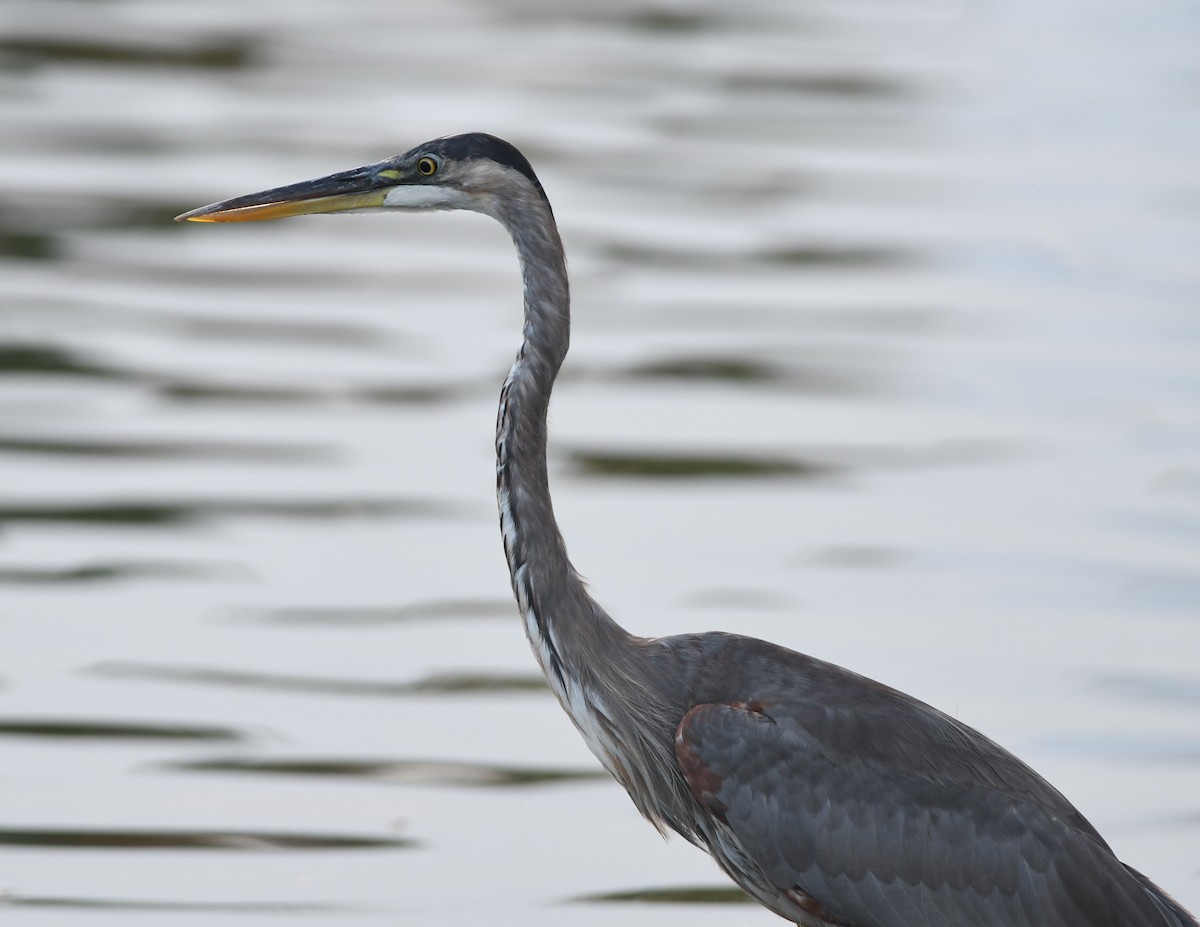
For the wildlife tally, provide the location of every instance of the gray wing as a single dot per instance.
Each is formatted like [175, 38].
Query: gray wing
[924, 823]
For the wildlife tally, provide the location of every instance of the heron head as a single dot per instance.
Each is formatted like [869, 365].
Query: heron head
[475, 171]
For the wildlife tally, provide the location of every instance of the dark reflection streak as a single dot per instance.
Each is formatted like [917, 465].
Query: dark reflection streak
[437, 684]
[217, 54]
[200, 391]
[701, 894]
[179, 513]
[242, 328]
[108, 572]
[164, 450]
[821, 463]
[828, 381]
[342, 616]
[813, 256]
[826, 85]
[693, 466]
[406, 772]
[833, 461]
[275, 332]
[201, 907]
[29, 246]
[662, 19]
[732, 369]
[113, 730]
[194, 840]
[23, 360]
[33, 359]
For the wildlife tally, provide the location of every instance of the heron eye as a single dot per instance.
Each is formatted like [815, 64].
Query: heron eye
[427, 167]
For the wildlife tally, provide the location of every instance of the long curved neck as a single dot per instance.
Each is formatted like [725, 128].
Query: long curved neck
[564, 626]
[598, 671]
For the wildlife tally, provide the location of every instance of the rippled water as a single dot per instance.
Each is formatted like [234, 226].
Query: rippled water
[886, 348]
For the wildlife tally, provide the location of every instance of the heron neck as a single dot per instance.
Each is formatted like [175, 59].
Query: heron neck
[598, 671]
[564, 626]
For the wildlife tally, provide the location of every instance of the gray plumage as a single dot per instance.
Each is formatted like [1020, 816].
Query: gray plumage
[828, 797]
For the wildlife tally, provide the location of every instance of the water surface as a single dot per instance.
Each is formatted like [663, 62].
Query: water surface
[886, 348]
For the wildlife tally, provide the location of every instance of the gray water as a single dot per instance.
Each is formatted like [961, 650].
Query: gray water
[887, 348]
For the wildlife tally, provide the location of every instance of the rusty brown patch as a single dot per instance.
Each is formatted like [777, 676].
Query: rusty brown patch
[810, 905]
[700, 777]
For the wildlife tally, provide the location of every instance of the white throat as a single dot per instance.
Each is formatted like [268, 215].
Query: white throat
[422, 196]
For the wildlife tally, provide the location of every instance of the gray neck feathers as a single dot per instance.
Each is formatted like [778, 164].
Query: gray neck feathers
[600, 673]
[537, 556]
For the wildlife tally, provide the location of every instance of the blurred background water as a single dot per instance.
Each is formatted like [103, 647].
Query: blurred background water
[887, 348]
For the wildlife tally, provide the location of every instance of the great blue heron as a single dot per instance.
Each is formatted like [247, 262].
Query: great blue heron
[830, 798]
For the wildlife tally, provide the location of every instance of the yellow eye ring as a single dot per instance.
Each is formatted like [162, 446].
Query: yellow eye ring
[426, 167]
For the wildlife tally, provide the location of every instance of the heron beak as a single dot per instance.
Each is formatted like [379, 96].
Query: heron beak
[360, 188]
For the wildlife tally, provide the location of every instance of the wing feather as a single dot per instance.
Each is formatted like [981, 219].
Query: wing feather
[883, 838]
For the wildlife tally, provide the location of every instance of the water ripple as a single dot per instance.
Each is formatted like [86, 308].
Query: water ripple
[827, 380]
[241, 451]
[808, 255]
[686, 466]
[28, 360]
[698, 894]
[434, 684]
[208, 54]
[137, 905]
[280, 393]
[407, 772]
[79, 729]
[111, 571]
[344, 615]
[1183, 691]
[255, 841]
[134, 512]
[17, 359]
